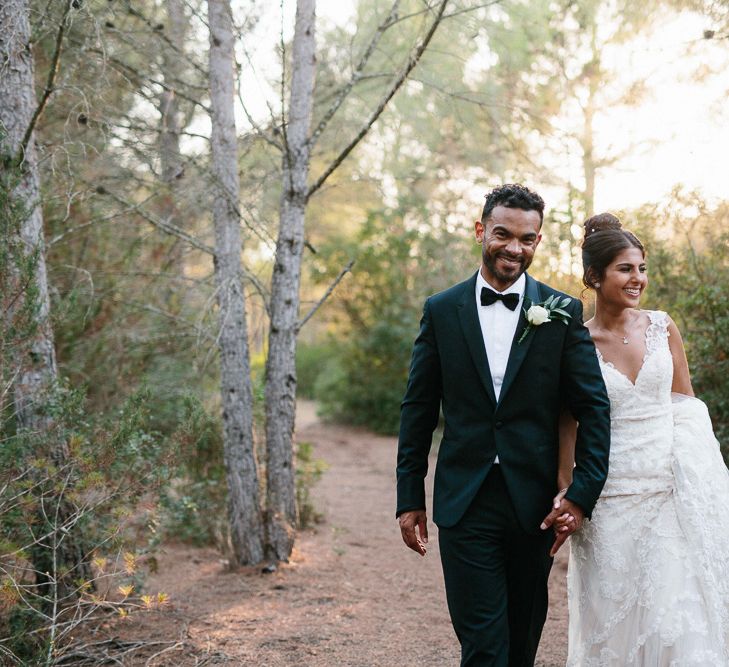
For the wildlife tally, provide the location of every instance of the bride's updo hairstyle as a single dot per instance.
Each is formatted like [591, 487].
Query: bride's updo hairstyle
[604, 239]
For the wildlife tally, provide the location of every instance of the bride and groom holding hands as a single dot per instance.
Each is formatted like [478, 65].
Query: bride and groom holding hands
[555, 428]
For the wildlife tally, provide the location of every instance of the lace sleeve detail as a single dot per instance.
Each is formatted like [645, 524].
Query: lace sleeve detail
[656, 335]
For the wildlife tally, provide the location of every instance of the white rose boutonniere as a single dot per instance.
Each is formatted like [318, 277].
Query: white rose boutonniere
[537, 315]
[549, 310]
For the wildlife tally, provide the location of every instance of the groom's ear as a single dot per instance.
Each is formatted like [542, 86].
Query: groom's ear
[479, 229]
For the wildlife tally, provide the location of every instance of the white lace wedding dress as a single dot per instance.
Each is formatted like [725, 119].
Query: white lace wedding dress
[648, 578]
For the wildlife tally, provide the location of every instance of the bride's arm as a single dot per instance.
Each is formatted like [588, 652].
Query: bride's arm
[681, 376]
[567, 437]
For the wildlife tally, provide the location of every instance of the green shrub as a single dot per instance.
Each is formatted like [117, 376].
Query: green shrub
[363, 382]
[195, 504]
[687, 245]
[308, 472]
[310, 361]
[363, 378]
[72, 525]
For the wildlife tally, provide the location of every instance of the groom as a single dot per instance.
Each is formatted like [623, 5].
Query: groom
[501, 381]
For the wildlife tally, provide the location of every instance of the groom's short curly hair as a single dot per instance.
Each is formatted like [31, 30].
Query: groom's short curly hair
[513, 195]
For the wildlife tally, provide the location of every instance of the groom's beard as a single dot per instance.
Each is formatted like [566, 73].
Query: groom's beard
[511, 276]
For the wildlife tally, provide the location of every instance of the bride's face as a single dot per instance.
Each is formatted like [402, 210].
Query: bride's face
[625, 279]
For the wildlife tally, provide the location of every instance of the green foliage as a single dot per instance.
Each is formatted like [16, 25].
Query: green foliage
[19, 301]
[21, 637]
[310, 360]
[74, 511]
[195, 504]
[687, 243]
[363, 385]
[397, 266]
[308, 472]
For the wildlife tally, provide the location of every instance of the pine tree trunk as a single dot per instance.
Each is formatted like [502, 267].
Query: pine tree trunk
[589, 168]
[58, 560]
[38, 365]
[246, 523]
[172, 71]
[281, 363]
[171, 169]
[592, 73]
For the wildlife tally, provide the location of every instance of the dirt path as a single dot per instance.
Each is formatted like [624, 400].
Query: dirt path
[352, 594]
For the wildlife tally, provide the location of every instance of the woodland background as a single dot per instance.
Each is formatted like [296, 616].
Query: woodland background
[209, 208]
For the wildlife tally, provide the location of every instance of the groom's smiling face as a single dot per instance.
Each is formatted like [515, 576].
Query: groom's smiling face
[508, 238]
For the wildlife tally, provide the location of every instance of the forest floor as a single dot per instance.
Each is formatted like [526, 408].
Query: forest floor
[352, 595]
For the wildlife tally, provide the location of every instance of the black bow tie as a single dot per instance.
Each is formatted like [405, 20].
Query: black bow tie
[488, 296]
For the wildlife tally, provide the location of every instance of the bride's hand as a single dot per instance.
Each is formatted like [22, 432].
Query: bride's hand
[562, 521]
[565, 518]
[575, 512]
[558, 498]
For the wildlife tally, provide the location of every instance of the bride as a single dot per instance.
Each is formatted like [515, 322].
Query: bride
[648, 578]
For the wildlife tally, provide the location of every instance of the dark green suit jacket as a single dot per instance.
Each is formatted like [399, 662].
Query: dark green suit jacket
[555, 366]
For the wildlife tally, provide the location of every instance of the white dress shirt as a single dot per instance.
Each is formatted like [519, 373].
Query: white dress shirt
[498, 326]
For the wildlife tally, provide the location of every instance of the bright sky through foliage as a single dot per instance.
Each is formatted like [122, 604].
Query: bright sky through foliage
[679, 134]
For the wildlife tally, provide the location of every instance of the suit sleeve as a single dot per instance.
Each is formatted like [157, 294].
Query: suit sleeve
[585, 395]
[419, 414]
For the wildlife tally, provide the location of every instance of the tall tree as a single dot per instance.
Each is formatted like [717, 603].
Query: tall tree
[280, 366]
[57, 556]
[285, 288]
[583, 87]
[246, 523]
[18, 115]
[173, 61]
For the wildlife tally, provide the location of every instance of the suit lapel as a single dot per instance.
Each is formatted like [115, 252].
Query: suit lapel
[519, 351]
[468, 315]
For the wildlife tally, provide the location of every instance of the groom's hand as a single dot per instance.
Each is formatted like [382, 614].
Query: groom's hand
[408, 522]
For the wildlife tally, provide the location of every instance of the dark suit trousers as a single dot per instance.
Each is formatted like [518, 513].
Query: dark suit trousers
[496, 580]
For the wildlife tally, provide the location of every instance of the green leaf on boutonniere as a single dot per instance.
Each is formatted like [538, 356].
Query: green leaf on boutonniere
[549, 310]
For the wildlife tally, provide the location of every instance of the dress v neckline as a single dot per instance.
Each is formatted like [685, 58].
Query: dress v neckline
[610, 364]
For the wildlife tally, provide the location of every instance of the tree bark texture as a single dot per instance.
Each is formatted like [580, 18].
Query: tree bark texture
[172, 71]
[17, 106]
[171, 169]
[281, 362]
[58, 560]
[246, 524]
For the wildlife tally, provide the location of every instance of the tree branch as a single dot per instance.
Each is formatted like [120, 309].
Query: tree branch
[133, 11]
[357, 74]
[282, 101]
[174, 230]
[52, 73]
[327, 294]
[466, 10]
[164, 225]
[125, 69]
[256, 126]
[394, 87]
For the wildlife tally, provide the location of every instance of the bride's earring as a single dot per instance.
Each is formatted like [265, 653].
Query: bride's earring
[597, 285]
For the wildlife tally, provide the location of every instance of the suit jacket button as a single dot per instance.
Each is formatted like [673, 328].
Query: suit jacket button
[499, 424]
